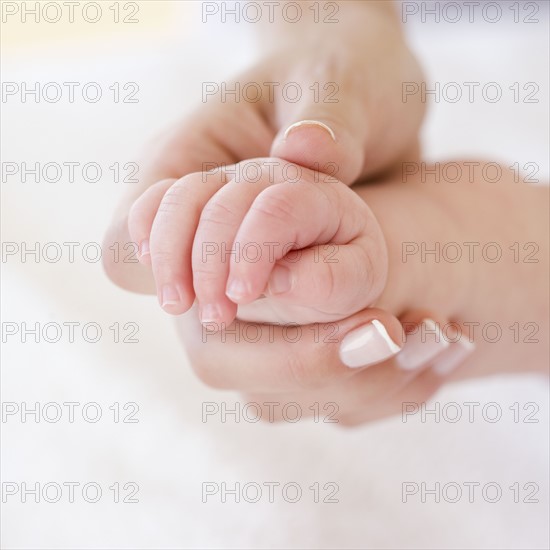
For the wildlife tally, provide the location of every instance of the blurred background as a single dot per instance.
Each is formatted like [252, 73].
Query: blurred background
[137, 449]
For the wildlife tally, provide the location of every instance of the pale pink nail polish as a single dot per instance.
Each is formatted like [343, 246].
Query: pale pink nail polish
[367, 345]
[422, 346]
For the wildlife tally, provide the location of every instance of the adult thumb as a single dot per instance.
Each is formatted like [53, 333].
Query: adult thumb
[328, 141]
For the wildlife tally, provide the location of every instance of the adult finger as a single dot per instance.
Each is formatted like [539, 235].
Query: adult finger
[271, 358]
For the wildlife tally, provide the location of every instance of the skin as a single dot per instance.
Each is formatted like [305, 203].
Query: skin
[202, 212]
[468, 210]
[368, 59]
[310, 370]
[375, 130]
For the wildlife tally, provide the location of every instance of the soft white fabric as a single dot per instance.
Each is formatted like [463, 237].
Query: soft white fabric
[170, 452]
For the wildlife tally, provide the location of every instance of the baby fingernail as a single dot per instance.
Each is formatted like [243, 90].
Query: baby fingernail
[317, 123]
[143, 249]
[453, 357]
[367, 345]
[280, 280]
[422, 346]
[237, 290]
[210, 313]
[169, 296]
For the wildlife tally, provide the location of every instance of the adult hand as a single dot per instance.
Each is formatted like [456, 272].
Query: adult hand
[365, 366]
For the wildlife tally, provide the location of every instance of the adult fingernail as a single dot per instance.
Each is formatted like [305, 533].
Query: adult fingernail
[280, 280]
[169, 296]
[422, 346]
[367, 345]
[453, 357]
[210, 313]
[317, 123]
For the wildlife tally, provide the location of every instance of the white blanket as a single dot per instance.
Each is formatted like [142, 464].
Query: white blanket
[170, 452]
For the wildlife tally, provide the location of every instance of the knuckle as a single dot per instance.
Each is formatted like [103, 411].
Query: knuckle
[160, 253]
[143, 210]
[323, 283]
[175, 196]
[373, 258]
[310, 370]
[356, 282]
[218, 214]
[366, 280]
[274, 203]
[205, 273]
[296, 371]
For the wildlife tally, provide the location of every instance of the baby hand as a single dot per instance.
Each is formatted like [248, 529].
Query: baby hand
[265, 239]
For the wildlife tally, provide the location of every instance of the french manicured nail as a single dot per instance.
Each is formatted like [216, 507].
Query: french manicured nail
[422, 346]
[317, 123]
[144, 249]
[169, 296]
[453, 357]
[237, 290]
[367, 345]
[280, 280]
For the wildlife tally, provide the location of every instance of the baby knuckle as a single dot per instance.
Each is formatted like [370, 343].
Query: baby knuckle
[205, 273]
[217, 213]
[174, 198]
[274, 203]
[323, 283]
[369, 276]
[164, 268]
